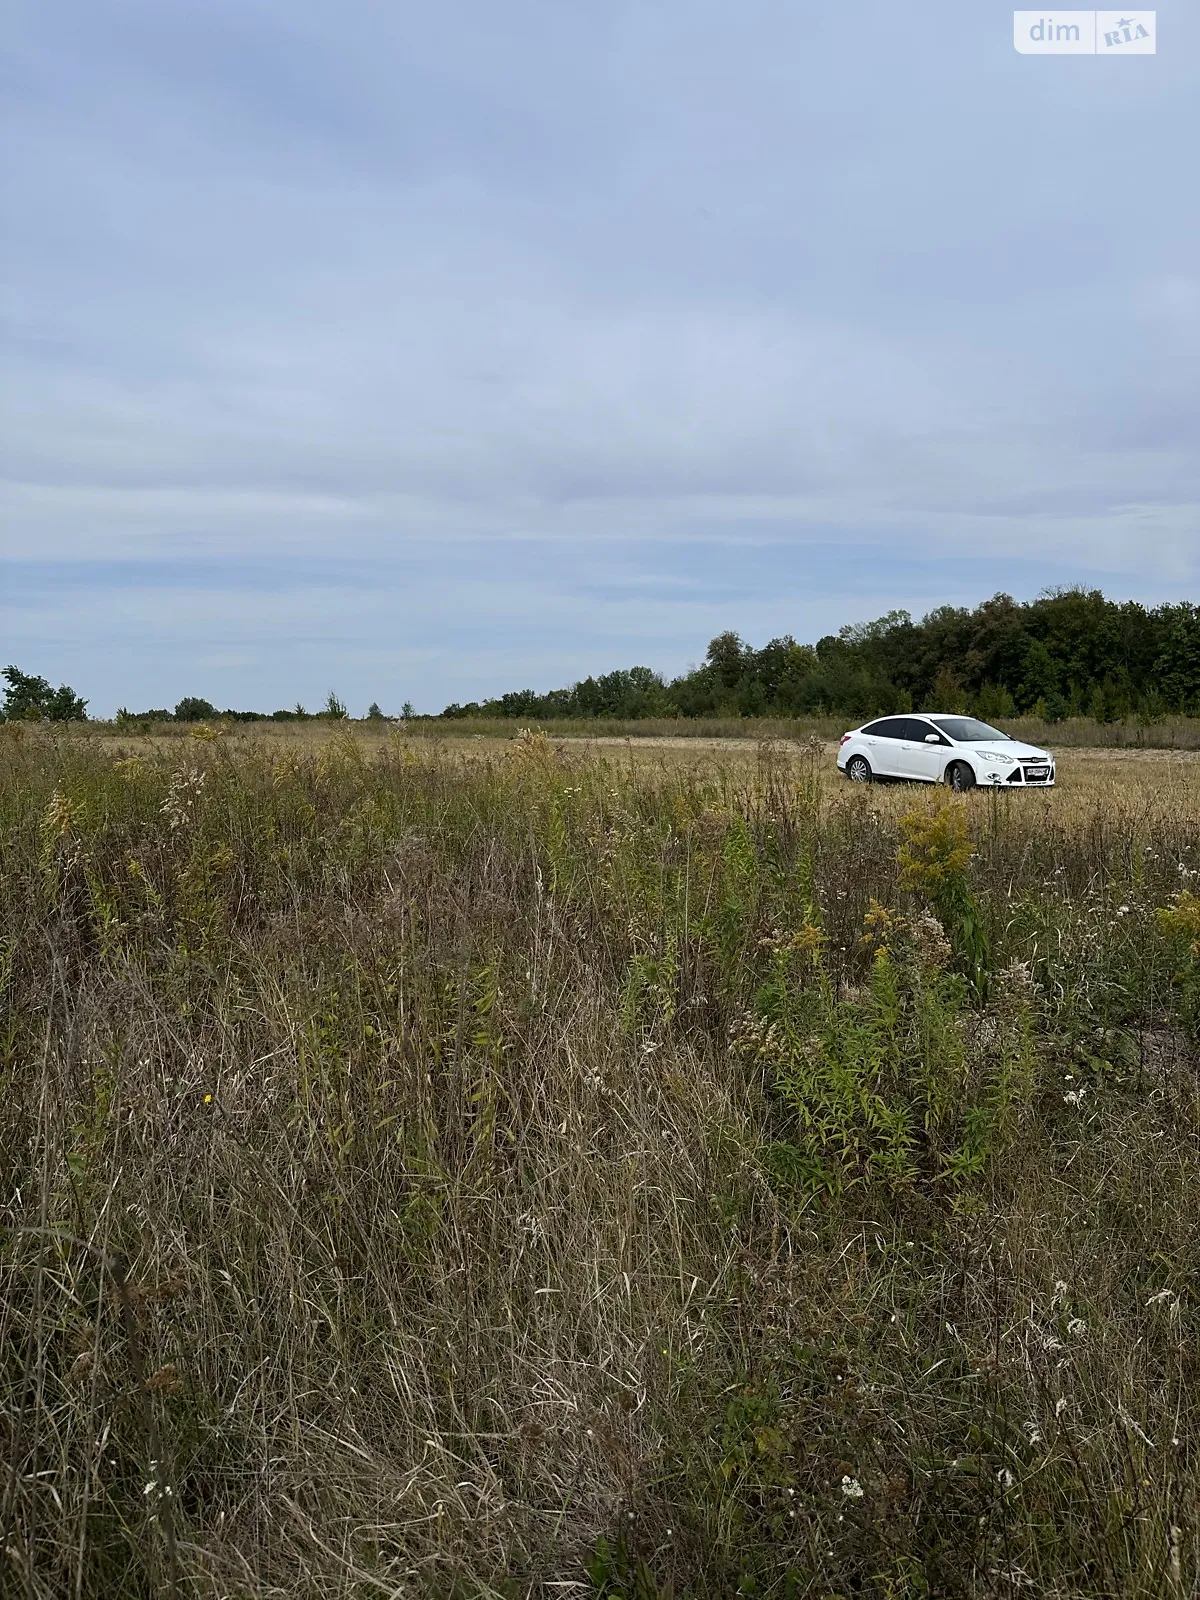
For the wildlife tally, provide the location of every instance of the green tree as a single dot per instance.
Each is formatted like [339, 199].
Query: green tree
[1178, 666]
[1039, 675]
[725, 657]
[994, 701]
[335, 708]
[1104, 703]
[194, 709]
[30, 699]
[948, 693]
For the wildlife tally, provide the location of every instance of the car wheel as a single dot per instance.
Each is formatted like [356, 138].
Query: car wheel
[858, 769]
[960, 777]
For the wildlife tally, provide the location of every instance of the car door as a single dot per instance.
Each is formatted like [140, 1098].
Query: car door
[882, 740]
[921, 759]
[907, 751]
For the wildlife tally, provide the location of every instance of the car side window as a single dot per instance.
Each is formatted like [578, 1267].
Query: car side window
[888, 728]
[918, 730]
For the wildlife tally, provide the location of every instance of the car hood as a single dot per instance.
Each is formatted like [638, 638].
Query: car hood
[1010, 747]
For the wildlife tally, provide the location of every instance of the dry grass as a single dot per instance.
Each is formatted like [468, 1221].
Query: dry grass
[1076, 733]
[479, 1170]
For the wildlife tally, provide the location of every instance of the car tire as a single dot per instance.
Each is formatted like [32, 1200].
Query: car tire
[858, 770]
[960, 777]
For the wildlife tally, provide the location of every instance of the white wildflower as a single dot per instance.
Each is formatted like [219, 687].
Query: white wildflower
[1165, 1296]
[851, 1488]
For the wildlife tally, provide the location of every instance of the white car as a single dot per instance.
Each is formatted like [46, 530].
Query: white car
[932, 748]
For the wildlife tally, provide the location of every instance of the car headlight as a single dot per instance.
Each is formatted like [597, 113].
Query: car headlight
[995, 755]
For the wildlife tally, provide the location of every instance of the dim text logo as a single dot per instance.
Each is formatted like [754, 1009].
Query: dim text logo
[1085, 33]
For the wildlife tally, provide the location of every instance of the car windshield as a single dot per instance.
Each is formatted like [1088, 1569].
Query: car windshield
[966, 730]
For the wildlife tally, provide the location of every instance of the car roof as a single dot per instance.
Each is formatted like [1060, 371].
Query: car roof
[888, 716]
[925, 716]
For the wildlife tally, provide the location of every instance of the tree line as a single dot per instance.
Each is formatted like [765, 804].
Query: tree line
[1070, 652]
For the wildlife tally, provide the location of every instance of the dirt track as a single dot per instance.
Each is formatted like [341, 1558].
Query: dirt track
[656, 742]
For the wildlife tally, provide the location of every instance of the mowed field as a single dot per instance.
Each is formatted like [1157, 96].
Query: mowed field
[523, 1167]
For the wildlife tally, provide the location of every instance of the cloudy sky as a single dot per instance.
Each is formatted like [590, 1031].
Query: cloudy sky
[427, 351]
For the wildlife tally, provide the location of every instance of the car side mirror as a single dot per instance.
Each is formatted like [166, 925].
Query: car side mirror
[932, 738]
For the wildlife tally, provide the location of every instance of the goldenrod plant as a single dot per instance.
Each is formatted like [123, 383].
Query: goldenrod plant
[933, 859]
[1180, 921]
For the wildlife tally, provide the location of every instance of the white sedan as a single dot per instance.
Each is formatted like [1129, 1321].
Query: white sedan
[960, 751]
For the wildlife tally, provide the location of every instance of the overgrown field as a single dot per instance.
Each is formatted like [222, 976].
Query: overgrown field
[534, 1174]
[1128, 733]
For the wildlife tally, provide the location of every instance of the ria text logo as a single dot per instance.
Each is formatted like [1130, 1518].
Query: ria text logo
[1085, 33]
